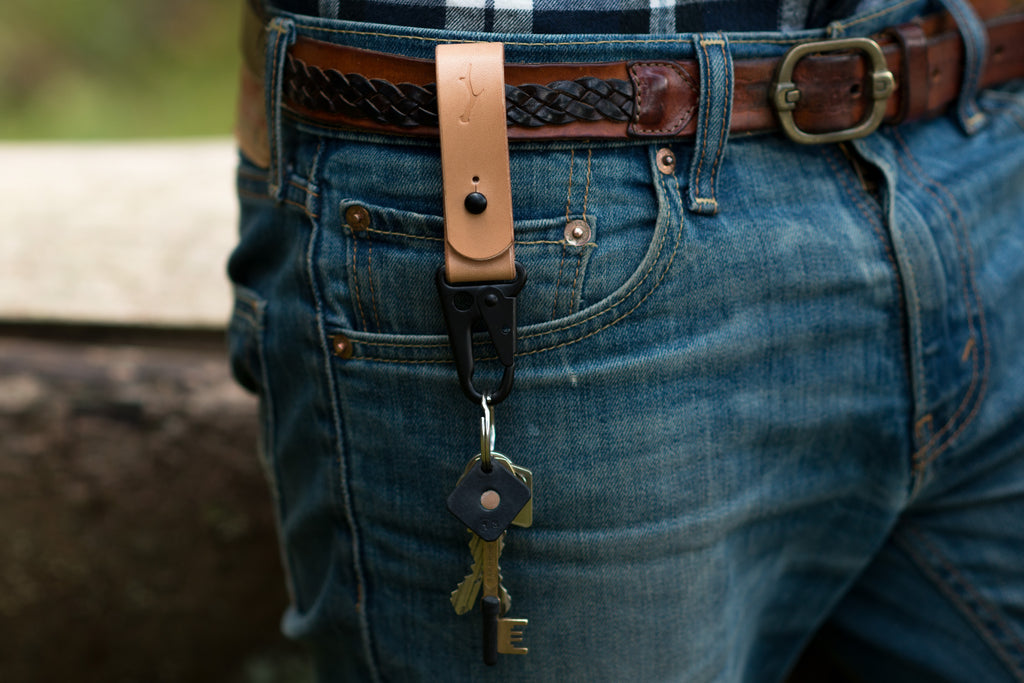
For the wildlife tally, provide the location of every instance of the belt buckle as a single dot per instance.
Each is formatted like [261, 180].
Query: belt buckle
[786, 94]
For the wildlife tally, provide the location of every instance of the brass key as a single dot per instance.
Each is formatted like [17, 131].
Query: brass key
[500, 635]
[465, 594]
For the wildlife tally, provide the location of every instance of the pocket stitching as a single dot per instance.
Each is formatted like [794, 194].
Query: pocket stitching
[655, 261]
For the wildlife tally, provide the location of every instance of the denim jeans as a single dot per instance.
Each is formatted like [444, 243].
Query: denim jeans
[801, 413]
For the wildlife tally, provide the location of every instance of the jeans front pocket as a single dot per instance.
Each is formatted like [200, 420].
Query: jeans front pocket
[392, 256]
[595, 230]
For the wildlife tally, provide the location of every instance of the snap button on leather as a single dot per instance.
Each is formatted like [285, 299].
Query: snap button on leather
[357, 218]
[475, 203]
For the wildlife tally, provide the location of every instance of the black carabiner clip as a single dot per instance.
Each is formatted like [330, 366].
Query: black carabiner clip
[465, 303]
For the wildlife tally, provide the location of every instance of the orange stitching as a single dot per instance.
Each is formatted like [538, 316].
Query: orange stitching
[575, 279]
[304, 189]
[353, 268]
[608, 309]
[586, 190]
[919, 455]
[923, 426]
[408, 235]
[568, 197]
[874, 14]
[404, 234]
[969, 348]
[568, 204]
[969, 281]
[558, 283]
[408, 361]
[369, 276]
[685, 115]
[993, 611]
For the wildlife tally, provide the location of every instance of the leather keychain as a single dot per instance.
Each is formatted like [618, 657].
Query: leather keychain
[479, 282]
[475, 165]
[480, 279]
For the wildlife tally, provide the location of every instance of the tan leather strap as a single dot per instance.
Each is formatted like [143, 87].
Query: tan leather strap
[474, 159]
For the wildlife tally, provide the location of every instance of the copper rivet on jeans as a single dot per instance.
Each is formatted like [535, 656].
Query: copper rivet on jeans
[577, 232]
[666, 160]
[357, 217]
[342, 346]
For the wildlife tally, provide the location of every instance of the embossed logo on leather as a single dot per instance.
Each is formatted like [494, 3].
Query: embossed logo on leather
[467, 80]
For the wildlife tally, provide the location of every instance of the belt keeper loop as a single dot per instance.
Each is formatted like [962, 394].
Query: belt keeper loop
[975, 43]
[280, 36]
[915, 83]
[714, 115]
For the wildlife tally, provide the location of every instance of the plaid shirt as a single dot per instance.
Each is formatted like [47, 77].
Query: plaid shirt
[584, 16]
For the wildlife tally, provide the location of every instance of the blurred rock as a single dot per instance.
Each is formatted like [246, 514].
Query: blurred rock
[137, 540]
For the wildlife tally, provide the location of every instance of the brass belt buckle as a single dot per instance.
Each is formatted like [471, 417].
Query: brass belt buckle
[786, 94]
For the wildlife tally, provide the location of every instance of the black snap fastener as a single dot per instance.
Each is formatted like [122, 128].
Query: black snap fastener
[475, 202]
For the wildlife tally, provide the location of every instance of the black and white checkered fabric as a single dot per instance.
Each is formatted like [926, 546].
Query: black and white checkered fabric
[657, 17]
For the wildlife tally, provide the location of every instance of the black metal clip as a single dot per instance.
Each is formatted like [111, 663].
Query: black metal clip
[494, 303]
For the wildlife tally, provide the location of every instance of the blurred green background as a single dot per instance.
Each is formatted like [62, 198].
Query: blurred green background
[93, 69]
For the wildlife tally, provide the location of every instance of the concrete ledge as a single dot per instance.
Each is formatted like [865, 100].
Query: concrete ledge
[137, 540]
[131, 233]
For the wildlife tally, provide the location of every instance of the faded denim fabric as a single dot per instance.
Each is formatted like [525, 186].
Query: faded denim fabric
[802, 414]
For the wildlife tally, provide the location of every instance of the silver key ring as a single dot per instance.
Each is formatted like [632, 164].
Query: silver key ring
[487, 434]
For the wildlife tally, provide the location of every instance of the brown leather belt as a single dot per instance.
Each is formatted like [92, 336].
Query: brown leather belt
[818, 92]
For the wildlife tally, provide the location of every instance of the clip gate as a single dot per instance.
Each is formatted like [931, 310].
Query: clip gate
[494, 303]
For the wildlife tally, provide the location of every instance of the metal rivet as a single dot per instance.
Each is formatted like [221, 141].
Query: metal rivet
[342, 346]
[490, 500]
[357, 217]
[577, 232]
[666, 160]
[475, 202]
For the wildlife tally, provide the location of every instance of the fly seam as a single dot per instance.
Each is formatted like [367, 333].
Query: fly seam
[922, 452]
[879, 231]
[968, 275]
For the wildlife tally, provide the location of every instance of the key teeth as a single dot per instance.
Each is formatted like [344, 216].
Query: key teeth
[510, 631]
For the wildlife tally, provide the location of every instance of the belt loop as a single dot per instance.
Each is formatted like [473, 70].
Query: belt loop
[972, 30]
[280, 36]
[713, 117]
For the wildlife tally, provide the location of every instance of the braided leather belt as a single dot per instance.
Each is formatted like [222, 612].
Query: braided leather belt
[818, 92]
